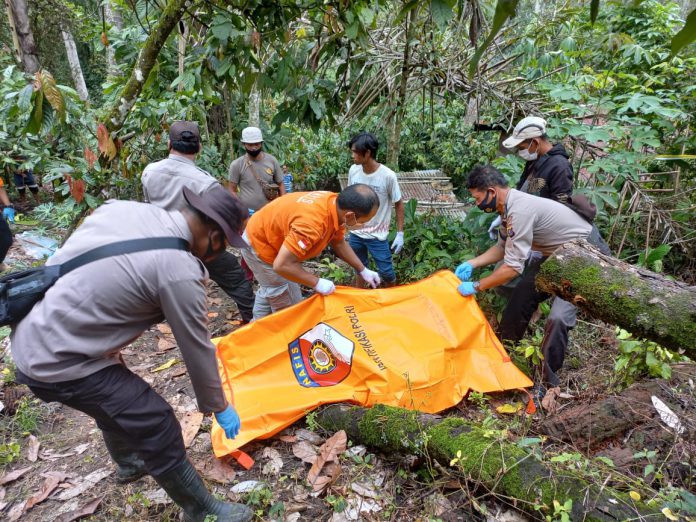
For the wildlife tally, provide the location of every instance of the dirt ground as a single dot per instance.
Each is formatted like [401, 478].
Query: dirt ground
[70, 474]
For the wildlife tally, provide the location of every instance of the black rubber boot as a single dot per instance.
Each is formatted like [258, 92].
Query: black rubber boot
[130, 466]
[186, 488]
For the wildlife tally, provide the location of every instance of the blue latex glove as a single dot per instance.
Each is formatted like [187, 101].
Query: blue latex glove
[466, 288]
[229, 421]
[463, 271]
[8, 213]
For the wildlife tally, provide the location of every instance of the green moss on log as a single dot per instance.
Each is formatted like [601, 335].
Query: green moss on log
[487, 457]
[623, 298]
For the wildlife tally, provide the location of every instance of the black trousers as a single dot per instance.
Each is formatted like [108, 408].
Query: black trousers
[5, 238]
[524, 300]
[228, 275]
[125, 405]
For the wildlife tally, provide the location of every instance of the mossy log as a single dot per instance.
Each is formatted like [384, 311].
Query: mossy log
[640, 301]
[487, 457]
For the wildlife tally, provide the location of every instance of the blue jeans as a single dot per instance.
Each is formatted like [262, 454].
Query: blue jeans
[380, 252]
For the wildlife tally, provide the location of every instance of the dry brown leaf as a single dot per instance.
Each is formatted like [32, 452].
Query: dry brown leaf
[190, 424]
[549, 402]
[164, 345]
[178, 373]
[86, 509]
[304, 451]
[51, 455]
[328, 452]
[216, 301]
[16, 512]
[53, 478]
[13, 475]
[212, 315]
[217, 470]
[333, 471]
[288, 438]
[309, 436]
[274, 461]
[164, 328]
[235, 323]
[33, 449]
[83, 484]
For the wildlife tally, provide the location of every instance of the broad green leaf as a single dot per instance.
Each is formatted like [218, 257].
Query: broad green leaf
[36, 117]
[658, 253]
[91, 201]
[442, 11]
[686, 35]
[504, 9]
[24, 99]
[318, 108]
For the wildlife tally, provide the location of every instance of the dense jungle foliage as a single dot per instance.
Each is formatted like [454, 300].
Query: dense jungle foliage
[315, 73]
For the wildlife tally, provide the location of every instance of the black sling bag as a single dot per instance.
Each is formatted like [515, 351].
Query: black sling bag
[20, 291]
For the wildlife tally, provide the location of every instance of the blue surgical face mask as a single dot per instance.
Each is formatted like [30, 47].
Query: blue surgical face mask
[489, 205]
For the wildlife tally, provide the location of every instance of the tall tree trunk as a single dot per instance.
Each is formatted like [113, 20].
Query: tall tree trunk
[254, 106]
[113, 17]
[183, 35]
[170, 16]
[75, 67]
[19, 14]
[636, 299]
[394, 144]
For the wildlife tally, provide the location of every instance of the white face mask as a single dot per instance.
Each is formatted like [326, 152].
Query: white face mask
[526, 155]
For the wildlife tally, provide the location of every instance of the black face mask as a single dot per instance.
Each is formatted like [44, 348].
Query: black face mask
[487, 205]
[253, 153]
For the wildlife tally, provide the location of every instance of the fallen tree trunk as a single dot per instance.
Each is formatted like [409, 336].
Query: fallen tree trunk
[640, 301]
[487, 457]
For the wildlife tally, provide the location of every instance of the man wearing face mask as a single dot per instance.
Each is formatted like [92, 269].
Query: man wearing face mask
[547, 172]
[529, 223]
[163, 182]
[256, 167]
[297, 227]
[68, 348]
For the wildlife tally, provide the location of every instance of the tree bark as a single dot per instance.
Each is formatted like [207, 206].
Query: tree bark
[183, 36]
[488, 459]
[394, 145]
[254, 107]
[115, 20]
[642, 302]
[19, 14]
[147, 58]
[75, 67]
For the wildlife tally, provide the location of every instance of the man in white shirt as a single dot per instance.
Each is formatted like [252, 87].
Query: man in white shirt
[372, 238]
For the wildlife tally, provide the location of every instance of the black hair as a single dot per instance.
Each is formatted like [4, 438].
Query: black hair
[364, 141]
[358, 198]
[483, 177]
[185, 146]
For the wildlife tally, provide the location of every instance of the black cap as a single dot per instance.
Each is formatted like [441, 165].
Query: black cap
[222, 207]
[184, 131]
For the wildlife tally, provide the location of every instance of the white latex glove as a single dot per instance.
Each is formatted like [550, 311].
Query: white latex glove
[398, 243]
[371, 277]
[325, 287]
[493, 229]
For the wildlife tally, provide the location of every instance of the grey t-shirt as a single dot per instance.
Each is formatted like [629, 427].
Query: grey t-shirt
[242, 173]
[535, 223]
[91, 313]
[164, 180]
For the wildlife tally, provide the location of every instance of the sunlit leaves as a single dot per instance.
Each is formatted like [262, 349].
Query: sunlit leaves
[442, 11]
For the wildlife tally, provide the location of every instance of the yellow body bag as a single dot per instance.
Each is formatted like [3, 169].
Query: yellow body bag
[420, 346]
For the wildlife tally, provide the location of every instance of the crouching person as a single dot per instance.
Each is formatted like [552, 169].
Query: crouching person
[67, 349]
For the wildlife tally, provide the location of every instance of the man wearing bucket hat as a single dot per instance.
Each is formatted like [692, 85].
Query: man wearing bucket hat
[163, 182]
[67, 349]
[257, 175]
